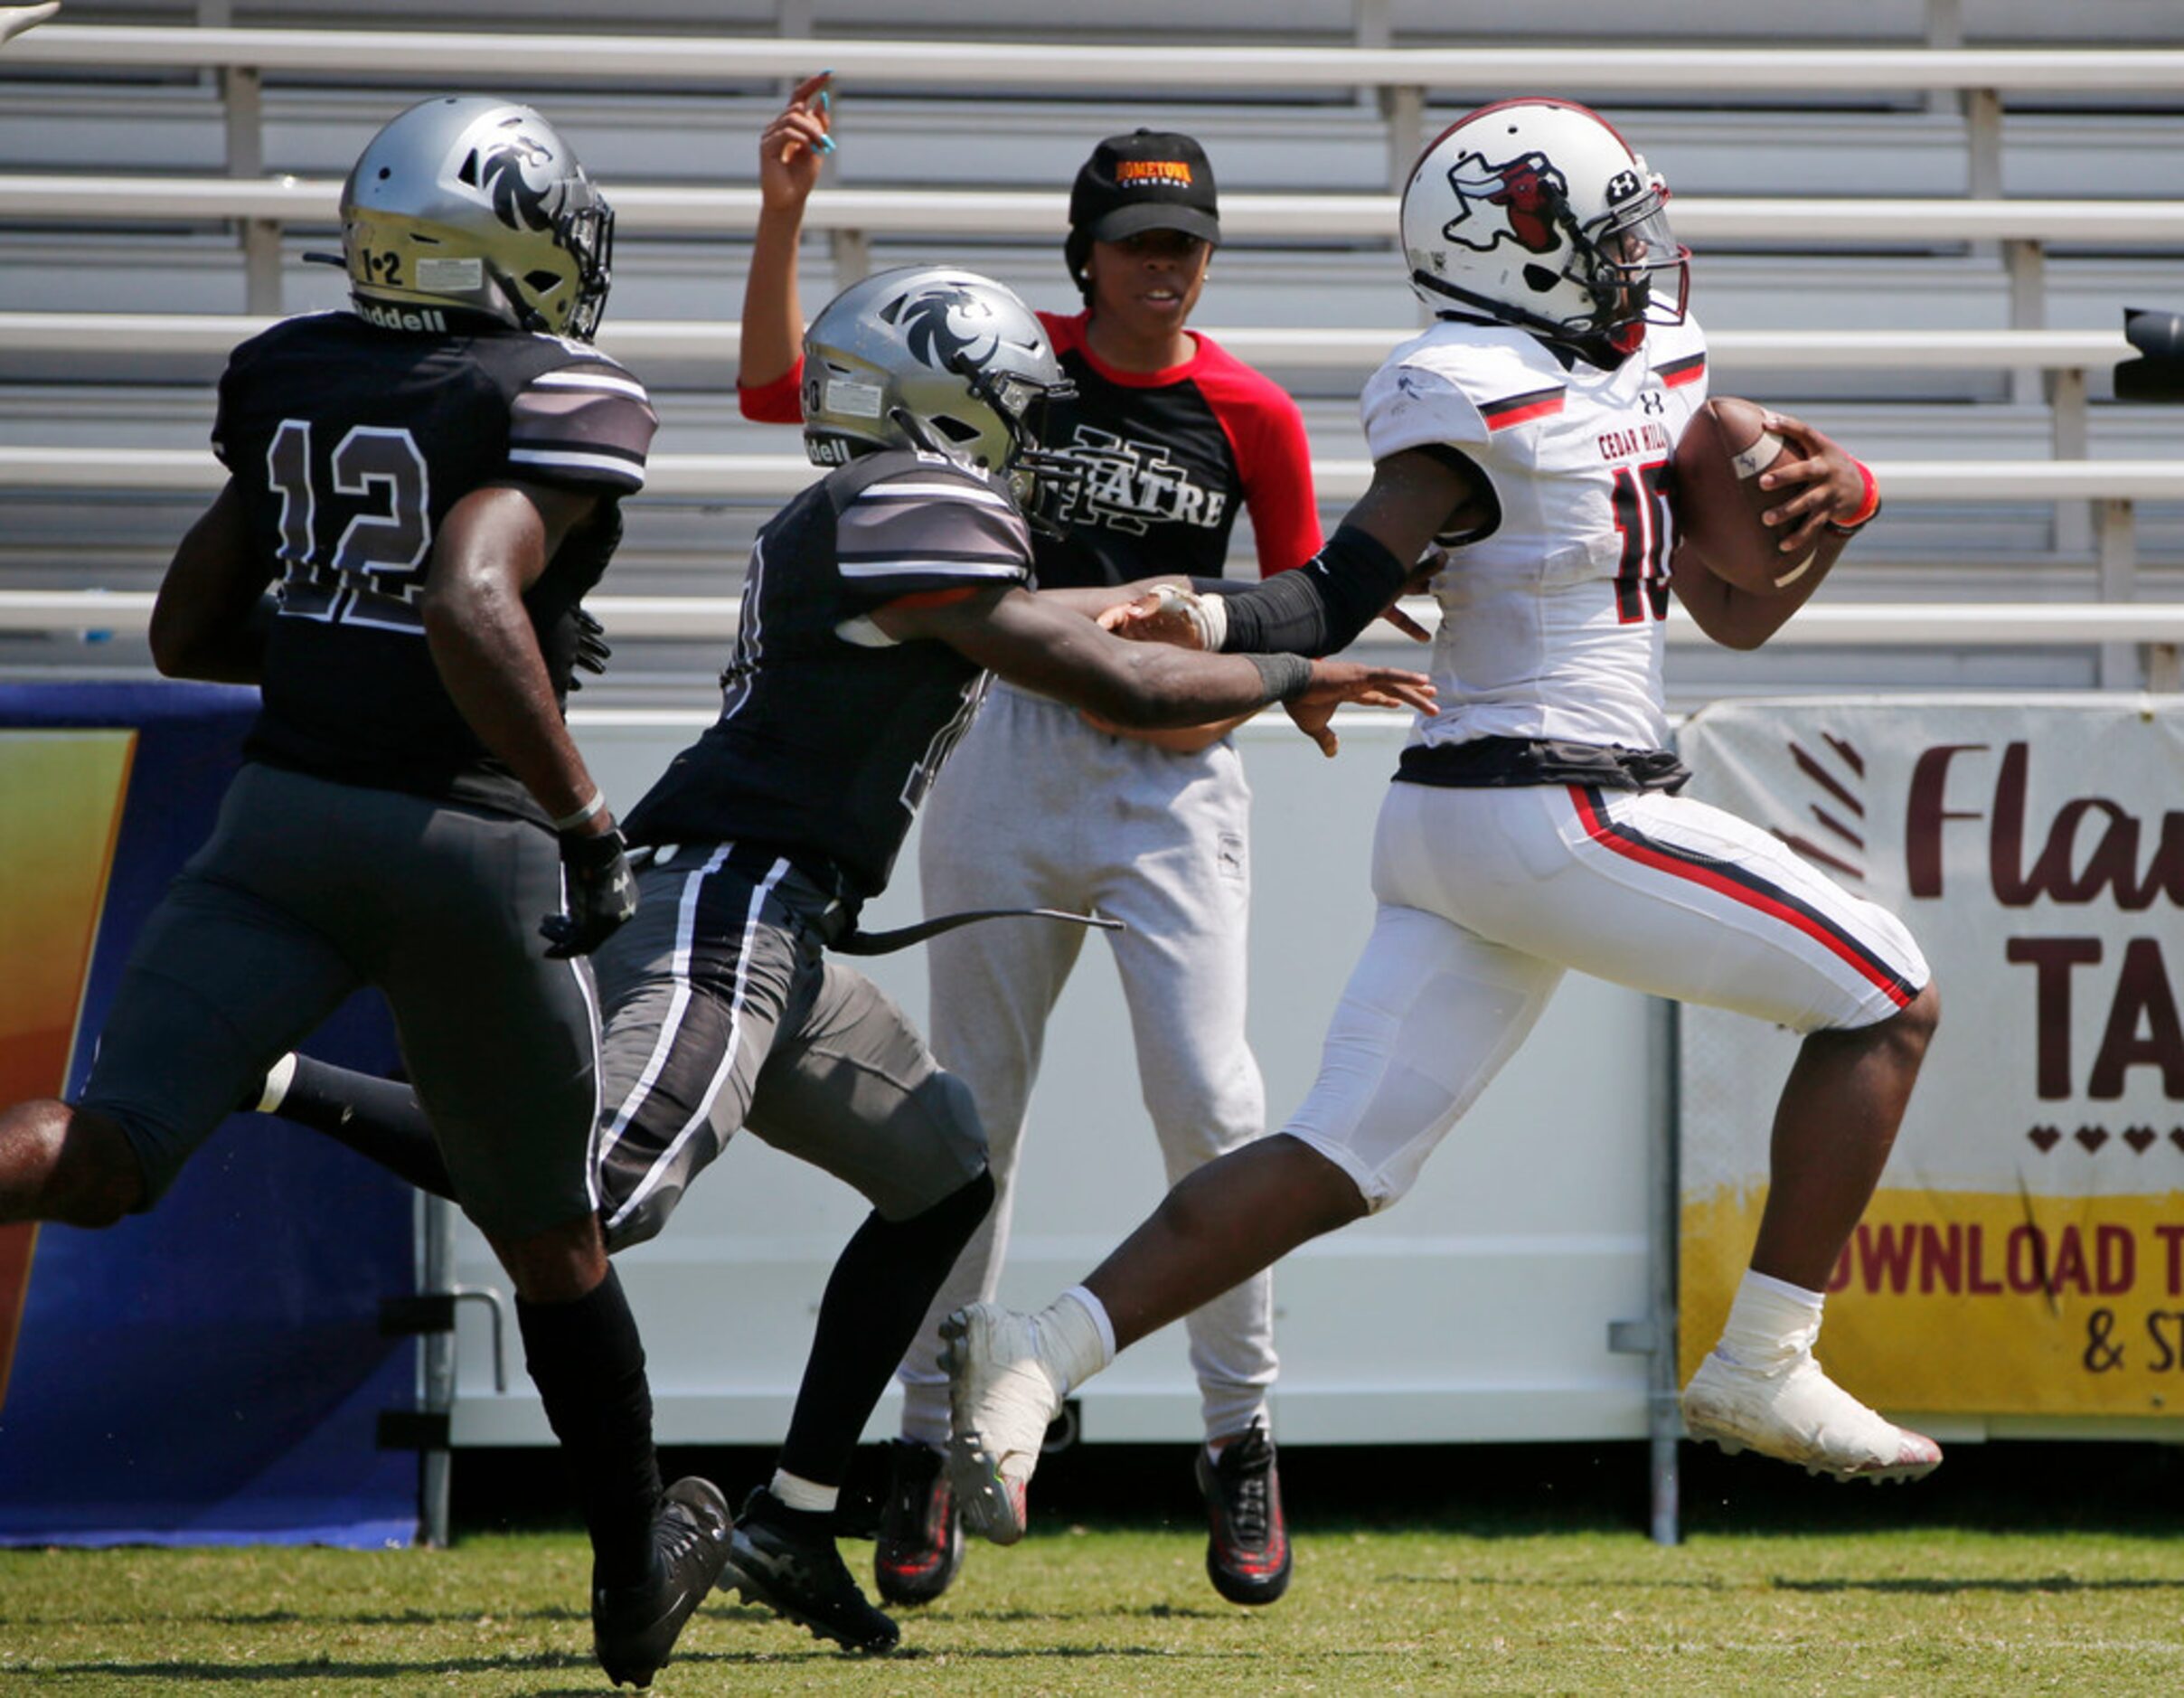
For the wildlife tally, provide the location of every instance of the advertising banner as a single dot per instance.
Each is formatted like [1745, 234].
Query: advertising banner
[209, 1372]
[2024, 1252]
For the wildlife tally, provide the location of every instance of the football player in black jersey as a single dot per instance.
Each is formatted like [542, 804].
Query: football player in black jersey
[876, 605]
[427, 485]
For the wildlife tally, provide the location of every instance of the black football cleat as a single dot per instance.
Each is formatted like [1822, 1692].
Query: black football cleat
[795, 1571]
[920, 1545]
[633, 1627]
[1247, 1546]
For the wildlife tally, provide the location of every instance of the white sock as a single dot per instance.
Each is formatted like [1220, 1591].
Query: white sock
[279, 1078]
[797, 1493]
[1075, 1339]
[1770, 1321]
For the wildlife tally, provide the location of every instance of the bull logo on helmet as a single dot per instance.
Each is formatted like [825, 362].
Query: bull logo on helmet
[1521, 202]
[930, 328]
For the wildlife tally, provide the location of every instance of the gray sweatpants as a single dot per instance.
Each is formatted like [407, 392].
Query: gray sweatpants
[1037, 809]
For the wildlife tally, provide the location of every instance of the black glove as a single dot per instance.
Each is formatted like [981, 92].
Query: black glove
[601, 893]
[591, 647]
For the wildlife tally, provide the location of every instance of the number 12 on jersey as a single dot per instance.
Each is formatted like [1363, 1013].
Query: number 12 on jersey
[1641, 502]
[378, 490]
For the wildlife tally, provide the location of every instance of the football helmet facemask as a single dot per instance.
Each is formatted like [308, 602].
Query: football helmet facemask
[1538, 213]
[475, 204]
[945, 360]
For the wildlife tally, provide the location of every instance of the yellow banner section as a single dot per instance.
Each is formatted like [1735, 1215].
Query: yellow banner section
[1969, 1302]
[64, 793]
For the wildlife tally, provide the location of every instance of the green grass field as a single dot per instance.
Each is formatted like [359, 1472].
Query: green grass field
[2032, 1575]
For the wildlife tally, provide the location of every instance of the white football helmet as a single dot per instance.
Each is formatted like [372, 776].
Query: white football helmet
[1537, 212]
[934, 357]
[475, 203]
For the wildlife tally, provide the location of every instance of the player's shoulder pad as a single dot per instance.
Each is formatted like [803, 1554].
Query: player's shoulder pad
[522, 359]
[1461, 384]
[1677, 354]
[908, 520]
[941, 476]
[576, 416]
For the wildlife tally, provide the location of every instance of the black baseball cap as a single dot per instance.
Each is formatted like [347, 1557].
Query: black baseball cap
[1147, 180]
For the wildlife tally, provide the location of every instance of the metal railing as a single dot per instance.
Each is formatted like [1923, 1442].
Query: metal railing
[2121, 626]
[1402, 79]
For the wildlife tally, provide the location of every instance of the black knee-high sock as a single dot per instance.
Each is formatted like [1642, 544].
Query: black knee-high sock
[378, 1119]
[875, 1300]
[588, 1364]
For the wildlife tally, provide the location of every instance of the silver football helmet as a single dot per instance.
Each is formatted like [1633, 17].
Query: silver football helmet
[475, 203]
[932, 357]
[1538, 213]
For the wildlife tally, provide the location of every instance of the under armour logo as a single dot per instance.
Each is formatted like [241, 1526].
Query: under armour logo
[1621, 186]
[1652, 401]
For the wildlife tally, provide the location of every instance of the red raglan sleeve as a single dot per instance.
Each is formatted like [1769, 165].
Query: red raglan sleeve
[1273, 460]
[780, 402]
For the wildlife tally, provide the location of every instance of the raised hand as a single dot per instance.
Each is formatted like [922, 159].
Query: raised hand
[15, 20]
[791, 147]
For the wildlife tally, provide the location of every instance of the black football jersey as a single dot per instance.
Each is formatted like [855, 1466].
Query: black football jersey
[830, 732]
[349, 443]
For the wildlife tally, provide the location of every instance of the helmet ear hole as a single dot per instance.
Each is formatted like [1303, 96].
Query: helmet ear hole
[544, 282]
[1540, 279]
[960, 431]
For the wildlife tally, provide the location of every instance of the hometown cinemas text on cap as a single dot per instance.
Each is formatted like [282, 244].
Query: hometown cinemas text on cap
[1147, 180]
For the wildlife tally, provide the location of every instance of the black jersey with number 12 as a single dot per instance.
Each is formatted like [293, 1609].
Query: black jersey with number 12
[349, 443]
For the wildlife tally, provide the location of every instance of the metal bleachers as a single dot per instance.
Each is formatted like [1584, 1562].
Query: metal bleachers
[1923, 246]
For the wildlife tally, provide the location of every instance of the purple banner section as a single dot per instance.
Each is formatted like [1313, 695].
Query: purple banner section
[211, 1373]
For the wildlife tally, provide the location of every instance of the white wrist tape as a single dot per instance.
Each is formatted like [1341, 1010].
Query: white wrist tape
[1209, 614]
[584, 815]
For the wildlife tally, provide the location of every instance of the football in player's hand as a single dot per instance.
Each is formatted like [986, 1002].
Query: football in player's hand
[1719, 500]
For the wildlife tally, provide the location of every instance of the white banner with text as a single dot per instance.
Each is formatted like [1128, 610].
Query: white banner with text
[2025, 1251]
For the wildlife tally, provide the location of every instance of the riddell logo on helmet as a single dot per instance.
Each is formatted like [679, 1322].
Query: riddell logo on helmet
[1152, 173]
[395, 318]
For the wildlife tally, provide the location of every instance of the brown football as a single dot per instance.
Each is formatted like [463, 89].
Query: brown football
[1719, 500]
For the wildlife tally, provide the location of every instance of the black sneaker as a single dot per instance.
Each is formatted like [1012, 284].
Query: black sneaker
[1247, 1548]
[920, 1534]
[633, 1627]
[796, 1572]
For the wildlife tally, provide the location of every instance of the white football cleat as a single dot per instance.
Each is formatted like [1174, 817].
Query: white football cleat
[1002, 1397]
[1794, 1412]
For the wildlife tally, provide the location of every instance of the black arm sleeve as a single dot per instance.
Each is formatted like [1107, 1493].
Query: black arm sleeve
[1321, 606]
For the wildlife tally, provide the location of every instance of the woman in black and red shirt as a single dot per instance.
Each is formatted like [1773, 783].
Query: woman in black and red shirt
[1043, 806]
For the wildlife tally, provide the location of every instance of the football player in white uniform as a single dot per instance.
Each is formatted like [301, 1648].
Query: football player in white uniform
[1535, 825]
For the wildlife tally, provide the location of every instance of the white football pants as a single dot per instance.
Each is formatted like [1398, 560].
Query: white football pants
[1488, 895]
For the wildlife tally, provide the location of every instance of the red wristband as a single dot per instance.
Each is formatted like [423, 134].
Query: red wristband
[1865, 509]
